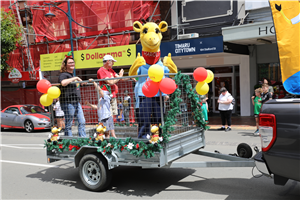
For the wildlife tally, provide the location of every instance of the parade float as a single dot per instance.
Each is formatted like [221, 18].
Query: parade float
[176, 135]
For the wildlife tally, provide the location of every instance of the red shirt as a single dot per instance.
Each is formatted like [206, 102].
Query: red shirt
[103, 73]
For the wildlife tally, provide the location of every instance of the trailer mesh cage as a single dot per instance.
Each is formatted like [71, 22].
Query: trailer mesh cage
[132, 111]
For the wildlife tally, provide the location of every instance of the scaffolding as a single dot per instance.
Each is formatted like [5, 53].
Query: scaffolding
[38, 40]
[20, 10]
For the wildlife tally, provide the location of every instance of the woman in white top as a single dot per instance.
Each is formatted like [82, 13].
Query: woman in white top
[225, 108]
[59, 115]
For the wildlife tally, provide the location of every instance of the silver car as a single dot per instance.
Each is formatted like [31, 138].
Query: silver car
[30, 117]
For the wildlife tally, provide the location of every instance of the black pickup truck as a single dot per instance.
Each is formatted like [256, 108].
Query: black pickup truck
[279, 128]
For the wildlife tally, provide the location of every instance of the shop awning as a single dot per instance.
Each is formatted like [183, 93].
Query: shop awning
[247, 34]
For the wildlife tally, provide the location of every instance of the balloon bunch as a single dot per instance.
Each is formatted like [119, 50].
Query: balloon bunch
[151, 87]
[50, 92]
[203, 77]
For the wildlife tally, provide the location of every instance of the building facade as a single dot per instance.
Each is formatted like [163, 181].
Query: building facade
[237, 44]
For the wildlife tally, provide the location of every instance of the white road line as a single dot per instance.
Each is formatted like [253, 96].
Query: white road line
[16, 147]
[26, 163]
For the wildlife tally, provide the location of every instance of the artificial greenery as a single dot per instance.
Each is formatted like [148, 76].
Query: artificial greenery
[185, 82]
[140, 148]
[11, 35]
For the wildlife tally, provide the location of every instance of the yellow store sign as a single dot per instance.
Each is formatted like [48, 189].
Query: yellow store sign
[93, 58]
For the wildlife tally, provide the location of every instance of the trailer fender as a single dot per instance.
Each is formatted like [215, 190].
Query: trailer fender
[91, 150]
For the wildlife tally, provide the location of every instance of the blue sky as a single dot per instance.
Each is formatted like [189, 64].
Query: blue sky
[254, 4]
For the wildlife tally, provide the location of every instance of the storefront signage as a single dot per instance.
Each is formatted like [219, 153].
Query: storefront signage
[15, 80]
[52, 62]
[15, 76]
[125, 55]
[259, 30]
[235, 48]
[191, 47]
[266, 30]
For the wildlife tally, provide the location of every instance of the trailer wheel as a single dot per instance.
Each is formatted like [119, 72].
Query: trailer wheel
[94, 173]
[244, 150]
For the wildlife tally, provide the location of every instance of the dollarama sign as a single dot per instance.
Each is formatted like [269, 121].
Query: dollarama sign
[125, 55]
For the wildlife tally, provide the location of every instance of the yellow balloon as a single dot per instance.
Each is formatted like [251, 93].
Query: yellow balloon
[156, 73]
[210, 76]
[45, 100]
[202, 88]
[53, 92]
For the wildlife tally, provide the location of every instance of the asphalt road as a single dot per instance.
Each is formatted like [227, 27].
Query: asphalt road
[25, 174]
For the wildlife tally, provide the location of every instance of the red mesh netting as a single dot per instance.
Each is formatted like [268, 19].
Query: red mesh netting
[15, 59]
[102, 16]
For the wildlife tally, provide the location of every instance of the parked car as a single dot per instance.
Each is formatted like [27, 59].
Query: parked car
[279, 127]
[30, 117]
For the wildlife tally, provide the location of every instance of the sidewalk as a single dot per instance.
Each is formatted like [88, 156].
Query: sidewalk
[238, 122]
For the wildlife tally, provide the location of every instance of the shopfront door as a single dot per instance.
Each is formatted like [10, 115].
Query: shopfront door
[224, 77]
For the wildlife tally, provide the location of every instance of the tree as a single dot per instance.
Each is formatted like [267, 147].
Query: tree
[11, 35]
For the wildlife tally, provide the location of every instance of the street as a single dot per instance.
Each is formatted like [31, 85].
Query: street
[25, 174]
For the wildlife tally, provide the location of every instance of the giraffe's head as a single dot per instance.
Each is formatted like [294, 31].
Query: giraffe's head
[150, 34]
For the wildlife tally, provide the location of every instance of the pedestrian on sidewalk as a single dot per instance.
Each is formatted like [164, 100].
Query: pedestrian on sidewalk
[265, 95]
[120, 116]
[225, 108]
[204, 107]
[270, 88]
[256, 101]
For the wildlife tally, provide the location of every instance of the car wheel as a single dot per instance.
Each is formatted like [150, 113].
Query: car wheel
[94, 173]
[29, 126]
[244, 150]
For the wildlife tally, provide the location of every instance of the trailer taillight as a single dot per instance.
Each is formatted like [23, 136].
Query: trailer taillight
[267, 130]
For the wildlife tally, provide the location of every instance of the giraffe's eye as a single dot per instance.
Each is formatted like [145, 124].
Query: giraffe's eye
[145, 31]
[157, 31]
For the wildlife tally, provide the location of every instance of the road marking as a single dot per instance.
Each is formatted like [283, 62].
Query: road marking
[16, 147]
[32, 164]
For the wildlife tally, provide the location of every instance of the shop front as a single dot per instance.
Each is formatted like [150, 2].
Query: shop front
[228, 62]
[19, 88]
[263, 54]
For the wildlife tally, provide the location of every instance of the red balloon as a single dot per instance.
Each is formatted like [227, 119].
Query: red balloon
[150, 88]
[167, 86]
[43, 86]
[200, 74]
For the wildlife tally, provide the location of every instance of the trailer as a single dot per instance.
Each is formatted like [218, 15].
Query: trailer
[185, 135]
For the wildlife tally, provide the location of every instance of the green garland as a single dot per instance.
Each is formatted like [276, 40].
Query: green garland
[140, 148]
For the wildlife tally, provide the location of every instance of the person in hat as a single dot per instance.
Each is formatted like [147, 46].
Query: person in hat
[225, 108]
[110, 85]
[106, 72]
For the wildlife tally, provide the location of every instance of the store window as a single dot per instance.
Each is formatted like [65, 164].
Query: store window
[270, 71]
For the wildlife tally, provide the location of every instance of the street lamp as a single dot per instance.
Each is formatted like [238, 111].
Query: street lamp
[70, 24]
[49, 14]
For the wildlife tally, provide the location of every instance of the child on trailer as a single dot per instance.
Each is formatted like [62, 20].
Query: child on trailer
[256, 101]
[103, 110]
